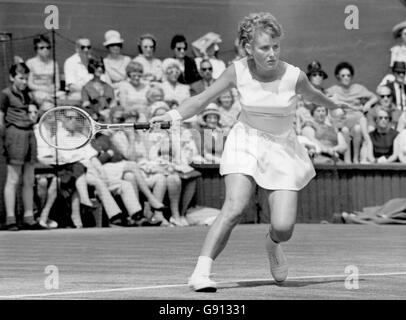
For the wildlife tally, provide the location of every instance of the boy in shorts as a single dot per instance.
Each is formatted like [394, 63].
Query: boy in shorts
[20, 146]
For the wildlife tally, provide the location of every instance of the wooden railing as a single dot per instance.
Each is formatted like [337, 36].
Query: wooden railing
[333, 190]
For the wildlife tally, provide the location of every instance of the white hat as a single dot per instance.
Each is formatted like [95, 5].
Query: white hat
[397, 29]
[112, 37]
[212, 108]
[159, 105]
[170, 62]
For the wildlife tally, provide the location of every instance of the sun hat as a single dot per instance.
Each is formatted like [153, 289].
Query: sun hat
[212, 108]
[157, 105]
[315, 67]
[112, 37]
[397, 29]
[399, 66]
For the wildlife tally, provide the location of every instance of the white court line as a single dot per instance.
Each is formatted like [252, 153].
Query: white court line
[46, 294]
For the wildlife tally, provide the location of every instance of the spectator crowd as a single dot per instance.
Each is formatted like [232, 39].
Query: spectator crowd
[146, 178]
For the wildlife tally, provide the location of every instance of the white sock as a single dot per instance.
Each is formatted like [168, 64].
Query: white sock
[203, 266]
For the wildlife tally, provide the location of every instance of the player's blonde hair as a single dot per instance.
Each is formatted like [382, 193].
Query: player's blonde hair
[264, 21]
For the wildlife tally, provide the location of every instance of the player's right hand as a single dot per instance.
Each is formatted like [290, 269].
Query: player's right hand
[163, 118]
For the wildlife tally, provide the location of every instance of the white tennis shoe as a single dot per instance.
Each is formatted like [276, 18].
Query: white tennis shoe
[277, 260]
[202, 283]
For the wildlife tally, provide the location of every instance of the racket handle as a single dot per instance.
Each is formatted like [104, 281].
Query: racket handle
[146, 126]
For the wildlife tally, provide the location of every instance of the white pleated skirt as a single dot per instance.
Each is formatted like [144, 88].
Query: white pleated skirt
[275, 162]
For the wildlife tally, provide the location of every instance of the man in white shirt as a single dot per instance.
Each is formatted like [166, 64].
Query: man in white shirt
[75, 69]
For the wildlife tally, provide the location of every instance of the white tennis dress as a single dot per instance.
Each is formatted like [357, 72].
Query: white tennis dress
[263, 143]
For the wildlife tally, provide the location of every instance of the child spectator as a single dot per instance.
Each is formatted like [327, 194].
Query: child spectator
[213, 135]
[97, 95]
[41, 77]
[132, 92]
[20, 145]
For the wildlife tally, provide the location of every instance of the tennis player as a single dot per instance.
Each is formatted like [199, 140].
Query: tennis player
[262, 148]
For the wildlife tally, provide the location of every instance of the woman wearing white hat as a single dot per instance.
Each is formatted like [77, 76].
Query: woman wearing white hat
[398, 52]
[115, 63]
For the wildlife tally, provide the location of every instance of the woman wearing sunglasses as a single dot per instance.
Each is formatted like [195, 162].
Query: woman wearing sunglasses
[358, 97]
[40, 78]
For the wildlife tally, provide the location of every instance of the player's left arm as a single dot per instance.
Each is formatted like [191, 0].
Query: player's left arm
[309, 93]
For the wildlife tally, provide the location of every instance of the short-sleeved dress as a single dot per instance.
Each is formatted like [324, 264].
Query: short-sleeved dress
[263, 143]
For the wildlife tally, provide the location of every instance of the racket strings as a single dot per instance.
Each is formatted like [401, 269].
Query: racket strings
[65, 128]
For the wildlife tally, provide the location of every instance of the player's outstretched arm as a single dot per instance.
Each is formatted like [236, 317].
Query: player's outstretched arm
[309, 93]
[196, 104]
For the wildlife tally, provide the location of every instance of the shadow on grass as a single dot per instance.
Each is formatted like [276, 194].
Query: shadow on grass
[287, 284]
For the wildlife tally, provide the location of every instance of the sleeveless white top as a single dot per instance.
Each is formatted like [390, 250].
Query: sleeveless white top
[263, 143]
[267, 106]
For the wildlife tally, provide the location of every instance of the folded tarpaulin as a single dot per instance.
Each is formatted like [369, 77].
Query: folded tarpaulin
[392, 212]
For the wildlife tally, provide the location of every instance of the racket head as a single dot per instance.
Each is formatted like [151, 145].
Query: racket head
[66, 127]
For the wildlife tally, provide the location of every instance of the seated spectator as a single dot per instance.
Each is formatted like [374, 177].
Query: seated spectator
[41, 76]
[132, 145]
[316, 75]
[229, 110]
[164, 154]
[75, 69]
[206, 72]
[152, 66]
[398, 52]
[385, 101]
[401, 122]
[189, 72]
[210, 52]
[213, 135]
[124, 177]
[400, 146]
[77, 168]
[330, 142]
[356, 96]
[132, 92]
[174, 91]
[115, 63]
[396, 83]
[383, 138]
[97, 95]
[302, 114]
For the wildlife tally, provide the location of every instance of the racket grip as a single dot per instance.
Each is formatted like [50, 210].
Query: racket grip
[146, 126]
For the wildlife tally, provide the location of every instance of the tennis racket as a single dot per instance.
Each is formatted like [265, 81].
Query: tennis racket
[70, 128]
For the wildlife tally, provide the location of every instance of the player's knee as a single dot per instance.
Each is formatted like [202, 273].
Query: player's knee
[232, 210]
